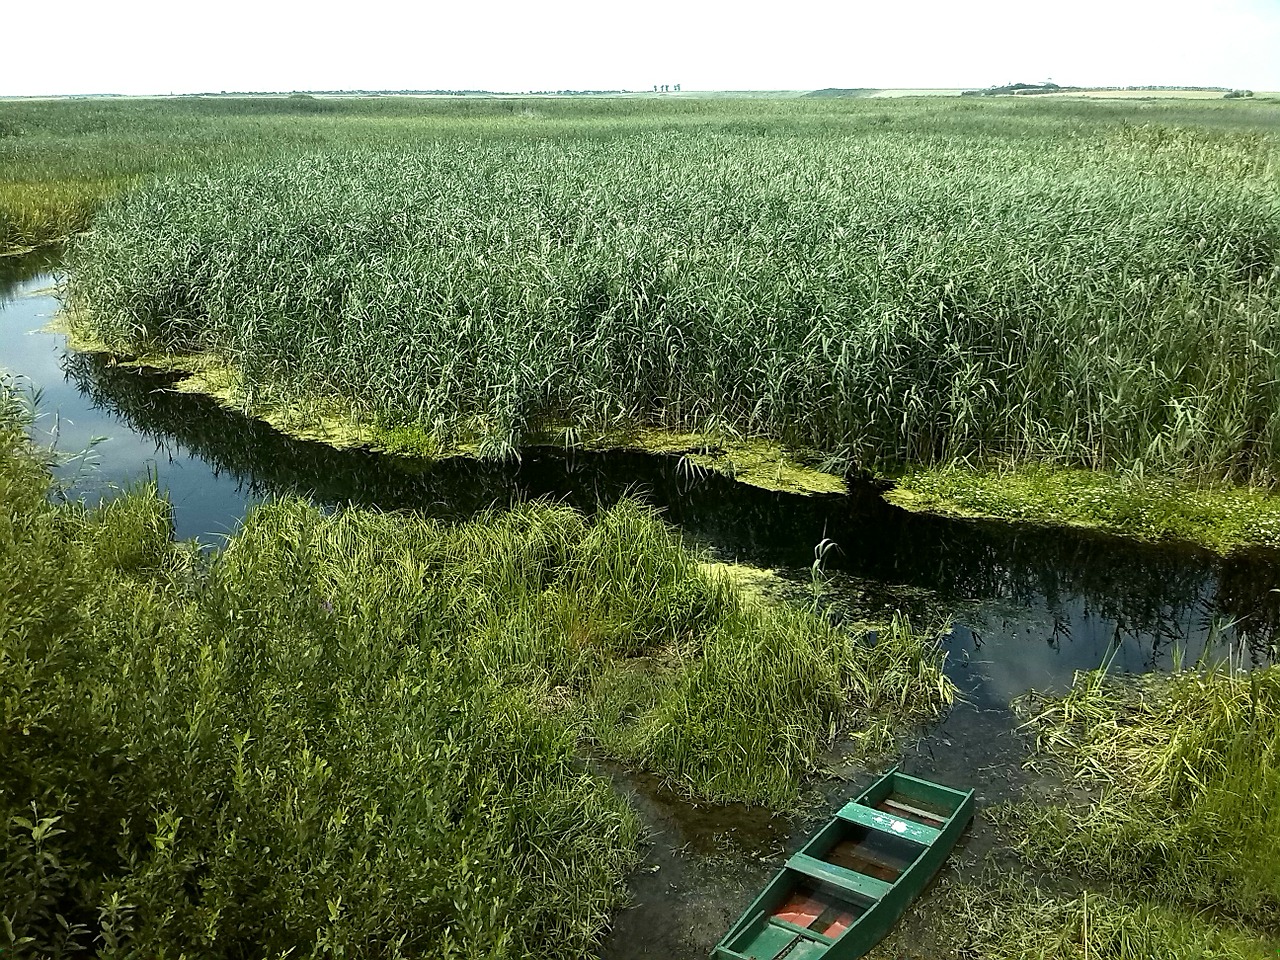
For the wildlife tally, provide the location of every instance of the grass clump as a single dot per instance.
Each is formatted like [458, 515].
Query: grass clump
[1166, 842]
[362, 732]
[209, 760]
[1130, 504]
[1188, 773]
[42, 212]
[1027, 924]
[767, 694]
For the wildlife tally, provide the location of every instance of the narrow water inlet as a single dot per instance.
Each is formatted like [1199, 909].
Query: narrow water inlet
[1031, 605]
[106, 452]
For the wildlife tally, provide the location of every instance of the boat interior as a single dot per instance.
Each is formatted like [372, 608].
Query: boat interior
[846, 870]
[820, 910]
[872, 853]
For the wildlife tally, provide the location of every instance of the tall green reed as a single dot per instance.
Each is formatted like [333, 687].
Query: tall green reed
[890, 298]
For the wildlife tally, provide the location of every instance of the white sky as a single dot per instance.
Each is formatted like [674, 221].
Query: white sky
[164, 46]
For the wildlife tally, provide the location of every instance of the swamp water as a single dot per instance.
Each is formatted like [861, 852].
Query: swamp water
[1029, 605]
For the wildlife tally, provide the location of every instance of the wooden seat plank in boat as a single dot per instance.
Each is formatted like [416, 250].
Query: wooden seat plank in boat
[779, 941]
[896, 808]
[861, 858]
[805, 931]
[868, 817]
[857, 883]
[772, 940]
[805, 950]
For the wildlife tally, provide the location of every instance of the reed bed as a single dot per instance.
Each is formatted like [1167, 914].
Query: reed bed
[59, 160]
[363, 733]
[888, 298]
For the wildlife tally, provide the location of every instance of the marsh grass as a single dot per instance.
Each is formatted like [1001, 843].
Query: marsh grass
[888, 298]
[198, 763]
[362, 733]
[37, 213]
[1168, 844]
[772, 692]
[1022, 923]
[1188, 772]
[60, 160]
[1165, 845]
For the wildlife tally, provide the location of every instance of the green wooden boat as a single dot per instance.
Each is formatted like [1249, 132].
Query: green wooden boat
[841, 893]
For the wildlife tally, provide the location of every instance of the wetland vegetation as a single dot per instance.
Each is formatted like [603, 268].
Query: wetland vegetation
[1162, 840]
[369, 732]
[383, 731]
[59, 160]
[982, 283]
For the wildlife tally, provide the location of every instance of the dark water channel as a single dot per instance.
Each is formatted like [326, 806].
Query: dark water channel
[1029, 605]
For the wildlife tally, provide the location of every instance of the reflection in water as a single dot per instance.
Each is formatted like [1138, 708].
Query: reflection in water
[206, 504]
[16, 271]
[1036, 603]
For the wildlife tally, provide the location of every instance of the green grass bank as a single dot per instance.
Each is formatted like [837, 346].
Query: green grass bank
[369, 734]
[1130, 504]
[1174, 849]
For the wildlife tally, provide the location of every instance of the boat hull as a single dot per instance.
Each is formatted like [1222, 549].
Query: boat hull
[844, 890]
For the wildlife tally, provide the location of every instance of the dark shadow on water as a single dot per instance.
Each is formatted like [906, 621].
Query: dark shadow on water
[17, 270]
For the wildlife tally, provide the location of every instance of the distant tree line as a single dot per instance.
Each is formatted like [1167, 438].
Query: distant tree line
[1016, 88]
[1030, 89]
[574, 93]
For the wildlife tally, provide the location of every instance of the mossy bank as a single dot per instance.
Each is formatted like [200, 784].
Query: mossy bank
[1222, 518]
[758, 462]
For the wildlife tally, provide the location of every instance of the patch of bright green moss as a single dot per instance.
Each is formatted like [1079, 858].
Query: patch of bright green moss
[757, 461]
[1141, 507]
[409, 440]
[752, 584]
